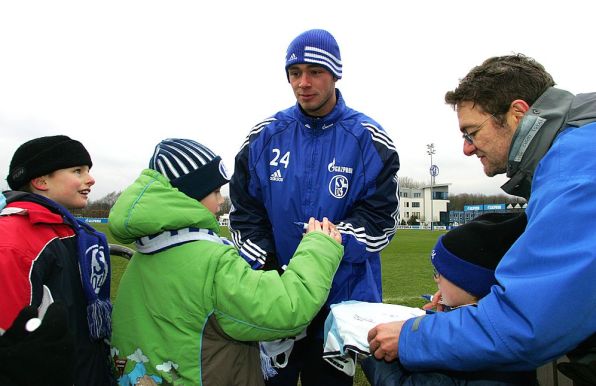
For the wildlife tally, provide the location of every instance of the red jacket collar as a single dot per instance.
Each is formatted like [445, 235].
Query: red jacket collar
[37, 213]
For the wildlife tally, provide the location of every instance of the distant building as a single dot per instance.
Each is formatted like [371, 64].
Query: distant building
[470, 212]
[224, 220]
[417, 202]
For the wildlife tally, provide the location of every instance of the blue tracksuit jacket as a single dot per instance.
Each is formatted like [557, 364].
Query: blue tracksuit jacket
[342, 166]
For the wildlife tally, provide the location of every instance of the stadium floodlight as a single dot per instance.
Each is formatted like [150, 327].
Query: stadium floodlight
[430, 150]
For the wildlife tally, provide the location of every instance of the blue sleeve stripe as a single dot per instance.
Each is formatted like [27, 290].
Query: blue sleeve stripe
[375, 243]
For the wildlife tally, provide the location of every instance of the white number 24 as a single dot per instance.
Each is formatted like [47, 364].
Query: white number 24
[285, 159]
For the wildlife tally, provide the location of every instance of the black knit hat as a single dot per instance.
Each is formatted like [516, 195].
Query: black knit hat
[191, 167]
[469, 254]
[41, 156]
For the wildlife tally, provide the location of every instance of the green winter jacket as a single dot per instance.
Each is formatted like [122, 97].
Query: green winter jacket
[190, 311]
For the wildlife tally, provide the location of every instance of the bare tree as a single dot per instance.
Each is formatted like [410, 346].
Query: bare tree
[109, 199]
[408, 182]
[413, 220]
[457, 202]
[225, 207]
[100, 207]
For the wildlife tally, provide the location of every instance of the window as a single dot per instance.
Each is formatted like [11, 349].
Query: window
[440, 195]
[417, 195]
[415, 205]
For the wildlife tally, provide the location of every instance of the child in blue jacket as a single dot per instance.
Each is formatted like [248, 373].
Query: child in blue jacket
[464, 262]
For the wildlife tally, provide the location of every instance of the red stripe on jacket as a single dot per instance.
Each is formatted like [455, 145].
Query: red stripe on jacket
[24, 237]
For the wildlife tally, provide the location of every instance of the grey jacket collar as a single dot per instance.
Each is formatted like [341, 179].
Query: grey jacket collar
[534, 135]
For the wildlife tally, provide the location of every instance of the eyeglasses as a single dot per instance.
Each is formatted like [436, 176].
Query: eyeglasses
[436, 273]
[469, 137]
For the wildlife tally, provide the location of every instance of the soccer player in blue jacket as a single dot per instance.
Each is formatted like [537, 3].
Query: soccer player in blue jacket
[317, 158]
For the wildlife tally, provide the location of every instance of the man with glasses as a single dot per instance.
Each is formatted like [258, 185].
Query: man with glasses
[542, 306]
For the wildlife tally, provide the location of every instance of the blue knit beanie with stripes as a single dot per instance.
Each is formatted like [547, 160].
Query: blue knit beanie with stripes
[191, 167]
[315, 46]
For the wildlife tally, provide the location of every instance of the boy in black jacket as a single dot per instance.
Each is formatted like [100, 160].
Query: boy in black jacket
[47, 256]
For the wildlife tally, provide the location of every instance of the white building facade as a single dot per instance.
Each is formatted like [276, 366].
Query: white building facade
[417, 202]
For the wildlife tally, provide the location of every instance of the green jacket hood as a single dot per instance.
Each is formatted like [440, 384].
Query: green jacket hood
[152, 205]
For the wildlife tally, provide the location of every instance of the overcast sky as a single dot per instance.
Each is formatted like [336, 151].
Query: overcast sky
[122, 75]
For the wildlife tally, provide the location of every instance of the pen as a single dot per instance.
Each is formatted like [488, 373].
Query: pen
[428, 297]
[304, 225]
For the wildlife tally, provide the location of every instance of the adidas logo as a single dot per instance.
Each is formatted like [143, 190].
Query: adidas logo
[276, 176]
[292, 57]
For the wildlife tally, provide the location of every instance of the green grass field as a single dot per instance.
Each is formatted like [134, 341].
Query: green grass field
[407, 272]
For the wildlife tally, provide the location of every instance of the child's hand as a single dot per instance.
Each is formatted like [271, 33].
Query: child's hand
[325, 226]
[435, 303]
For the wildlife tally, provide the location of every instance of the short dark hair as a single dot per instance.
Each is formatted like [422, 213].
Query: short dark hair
[498, 81]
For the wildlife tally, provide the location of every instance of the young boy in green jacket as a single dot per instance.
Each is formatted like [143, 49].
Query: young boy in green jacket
[189, 310]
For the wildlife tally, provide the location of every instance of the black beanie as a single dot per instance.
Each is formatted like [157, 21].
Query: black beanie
[469, 254]
[41, 156]
[191, 167]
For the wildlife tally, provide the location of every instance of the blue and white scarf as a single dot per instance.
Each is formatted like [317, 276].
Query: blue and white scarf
[168, 239]
[94, 266]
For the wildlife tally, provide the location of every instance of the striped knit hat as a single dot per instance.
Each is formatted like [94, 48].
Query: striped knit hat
[315, 46]
[191, 167]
